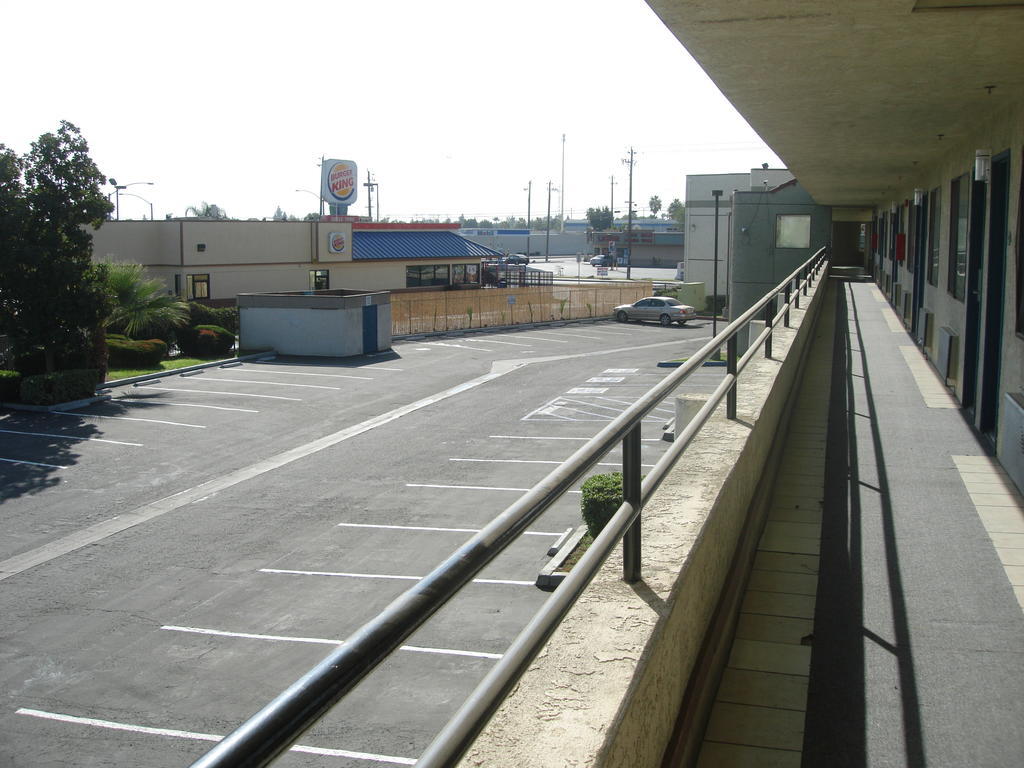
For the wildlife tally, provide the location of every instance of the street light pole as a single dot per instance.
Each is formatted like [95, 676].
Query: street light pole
[318, 197]
[716, 193]
[130, 194]
[547, 232]
[529, 194]
[629, 221]
[117, 193]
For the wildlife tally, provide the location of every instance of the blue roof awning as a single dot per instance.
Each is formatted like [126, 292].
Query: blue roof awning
[372, 245]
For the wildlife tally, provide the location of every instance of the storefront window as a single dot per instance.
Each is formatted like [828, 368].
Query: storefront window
[431, 274]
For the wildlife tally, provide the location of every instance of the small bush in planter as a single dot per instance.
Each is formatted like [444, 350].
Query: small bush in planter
[59, 386]
[10, 385]
[602, 496]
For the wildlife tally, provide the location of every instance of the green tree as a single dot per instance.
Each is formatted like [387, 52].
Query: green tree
[677, 211]
[654, 204]
[600, 218]
[206, 210]
[142, 306]
[52, 299]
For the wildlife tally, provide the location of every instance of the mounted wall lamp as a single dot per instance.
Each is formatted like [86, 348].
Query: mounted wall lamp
[918, 196]
[982, 164]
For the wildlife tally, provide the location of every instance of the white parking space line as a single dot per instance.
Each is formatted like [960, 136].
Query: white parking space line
[620, 370]
[323, 641]
[437, 529]
[340, 574]
[630, 402]
[300, 373]
[71, 437]
[184, 405]
[573, 335]
[605, 379]
[470, 487]
[194, 736]
[33, 463]
[127, 418]
[217, 392]
[278, 383]
[458, 346]
[545, 338]
[542, 461]
[587, 391]
[495, 341]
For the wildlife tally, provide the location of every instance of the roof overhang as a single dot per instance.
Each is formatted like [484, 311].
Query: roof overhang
[853, 94]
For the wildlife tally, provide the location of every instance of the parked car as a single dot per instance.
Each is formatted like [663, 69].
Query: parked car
[664, 309]
[517, 258]
[601, 261]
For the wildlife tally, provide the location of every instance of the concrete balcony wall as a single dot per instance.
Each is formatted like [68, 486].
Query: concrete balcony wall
[606, 691]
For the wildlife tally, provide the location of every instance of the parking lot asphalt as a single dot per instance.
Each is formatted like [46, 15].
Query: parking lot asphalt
[178, 555]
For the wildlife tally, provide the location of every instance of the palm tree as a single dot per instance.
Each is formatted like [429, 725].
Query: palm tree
[206, 210]
[142, 307]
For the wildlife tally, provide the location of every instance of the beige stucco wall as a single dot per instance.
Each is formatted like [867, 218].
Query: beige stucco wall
[606, 689]
[1004, 132]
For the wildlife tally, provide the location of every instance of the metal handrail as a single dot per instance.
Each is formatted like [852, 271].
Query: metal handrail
[274, 728]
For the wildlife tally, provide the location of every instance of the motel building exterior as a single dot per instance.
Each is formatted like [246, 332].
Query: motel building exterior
[215, 260]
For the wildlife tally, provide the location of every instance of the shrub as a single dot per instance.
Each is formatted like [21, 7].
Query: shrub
[126, 353]
[224, 317]
[10, 385]
[195, 343]
[59, 387]
[602, 496]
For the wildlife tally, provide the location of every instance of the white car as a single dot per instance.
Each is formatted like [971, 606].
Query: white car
[664, 309]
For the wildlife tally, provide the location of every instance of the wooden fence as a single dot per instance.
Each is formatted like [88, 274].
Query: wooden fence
[413, 313]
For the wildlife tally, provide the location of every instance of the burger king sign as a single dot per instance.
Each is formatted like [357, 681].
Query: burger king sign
[336, 242]
[338, 181]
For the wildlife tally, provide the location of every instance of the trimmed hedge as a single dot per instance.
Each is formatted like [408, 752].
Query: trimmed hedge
[602, 496]
[60, 386]
[205, 341]
[125, 353]
[10, 385]
[225, 317]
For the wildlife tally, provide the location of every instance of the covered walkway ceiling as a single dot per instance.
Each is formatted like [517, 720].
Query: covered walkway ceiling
[853, 94]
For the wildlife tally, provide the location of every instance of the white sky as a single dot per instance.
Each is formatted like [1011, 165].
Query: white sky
[454, 105]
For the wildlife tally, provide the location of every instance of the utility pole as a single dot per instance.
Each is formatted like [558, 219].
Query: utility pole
[629, 221]
[717, 194]
[561, 191]
[370, 186]
[612, 209]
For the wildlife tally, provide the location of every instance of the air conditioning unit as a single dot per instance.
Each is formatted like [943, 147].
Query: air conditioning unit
[946, 362]
[1011, 431]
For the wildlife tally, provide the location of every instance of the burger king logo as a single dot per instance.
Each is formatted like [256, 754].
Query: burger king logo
[336, 242]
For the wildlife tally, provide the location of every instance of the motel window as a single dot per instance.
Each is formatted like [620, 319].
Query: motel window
[792, 231]
[319, 279]
[934, 216]
[465, 274]
[959, 212]
[197, 286]
[431, 274]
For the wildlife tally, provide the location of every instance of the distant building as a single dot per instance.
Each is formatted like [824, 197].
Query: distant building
[216, 260]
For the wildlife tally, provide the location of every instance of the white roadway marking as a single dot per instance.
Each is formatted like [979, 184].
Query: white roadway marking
[194, 736]
[544, 338]
[127, 418]
[583, 439]
[495, 341]
[70, 437]
[470, 487]
[621, 370]
[341, 574]
[587, 391]
[217, 392]
[300, 373]
[276, 383]
[434, 528]
[459, 346]
[185, 405]
[33, 463]
[541, 461]
[573, 335]
[93, 533]
[324, 641]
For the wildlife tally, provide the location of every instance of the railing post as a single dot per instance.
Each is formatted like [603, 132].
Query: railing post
[730, 367]
[631, 494]
[806, 280]
[789, 289]
[769, 318]
[796, 297]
